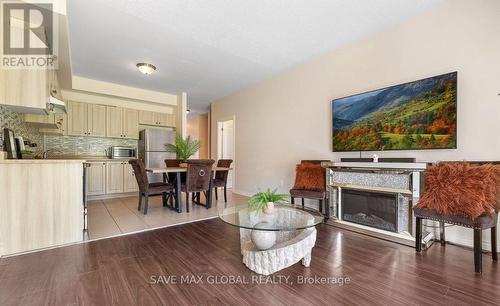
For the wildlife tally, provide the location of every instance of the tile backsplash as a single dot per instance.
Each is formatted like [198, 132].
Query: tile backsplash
[15, 122]
[89, 146]
[56, 144]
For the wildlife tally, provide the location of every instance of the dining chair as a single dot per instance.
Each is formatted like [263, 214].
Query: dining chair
[198, 179]
[146, 189]
[220, 180]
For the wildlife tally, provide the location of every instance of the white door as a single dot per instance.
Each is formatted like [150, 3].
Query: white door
[226, 145]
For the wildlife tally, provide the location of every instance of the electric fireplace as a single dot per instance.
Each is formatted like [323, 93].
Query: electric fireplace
[374, 209]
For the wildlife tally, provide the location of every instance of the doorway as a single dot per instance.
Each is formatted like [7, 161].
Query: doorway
[225, 145]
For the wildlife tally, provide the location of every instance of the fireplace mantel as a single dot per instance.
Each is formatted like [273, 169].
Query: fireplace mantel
[402, 179]
[373, 166]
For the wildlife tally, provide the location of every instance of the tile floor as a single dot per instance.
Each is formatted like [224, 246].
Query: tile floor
[107, 218]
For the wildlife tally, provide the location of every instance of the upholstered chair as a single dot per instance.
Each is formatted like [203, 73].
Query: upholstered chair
[146, 189]
[198, 179]
[463, 194]
[318, 193]
[220, 180]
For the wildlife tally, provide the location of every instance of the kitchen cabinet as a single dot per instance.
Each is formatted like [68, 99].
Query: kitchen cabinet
[77, 118]
[61, 124]
[114, 124]
[130, 123]
[114, 177]
[24, 90]
[129, 180]
[96, 178]
[157, 119]
[96, 120]
[86, 119]
[147, 118]
[120, 178]
[122, 123]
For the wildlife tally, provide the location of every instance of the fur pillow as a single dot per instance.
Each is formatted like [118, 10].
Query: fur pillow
[461, 188]
[310, 177]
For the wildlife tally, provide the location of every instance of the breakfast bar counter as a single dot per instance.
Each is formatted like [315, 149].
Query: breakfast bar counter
[41, 204]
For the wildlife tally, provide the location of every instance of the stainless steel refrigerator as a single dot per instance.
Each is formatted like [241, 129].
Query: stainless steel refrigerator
[152, 150]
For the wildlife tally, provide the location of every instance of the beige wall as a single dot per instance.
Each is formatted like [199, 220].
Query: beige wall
[197, 128]
[287, 118]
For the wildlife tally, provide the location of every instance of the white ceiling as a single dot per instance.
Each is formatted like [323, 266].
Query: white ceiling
[212, 48]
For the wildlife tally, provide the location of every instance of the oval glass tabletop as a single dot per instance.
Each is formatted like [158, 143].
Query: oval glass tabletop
[282, 218]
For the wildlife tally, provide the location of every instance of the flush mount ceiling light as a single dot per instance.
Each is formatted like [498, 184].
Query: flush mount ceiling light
[146, 68]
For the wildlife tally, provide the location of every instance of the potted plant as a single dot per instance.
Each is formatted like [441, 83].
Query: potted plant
[264, 200]
[183, 148]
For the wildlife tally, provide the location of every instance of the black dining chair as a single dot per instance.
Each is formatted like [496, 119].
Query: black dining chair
[220, 180]
[198, 179]
[146, 189]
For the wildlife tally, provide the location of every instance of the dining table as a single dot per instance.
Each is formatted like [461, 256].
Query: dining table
[178, 171]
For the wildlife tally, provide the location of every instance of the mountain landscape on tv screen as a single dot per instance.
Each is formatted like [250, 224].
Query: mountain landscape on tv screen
[415, 115]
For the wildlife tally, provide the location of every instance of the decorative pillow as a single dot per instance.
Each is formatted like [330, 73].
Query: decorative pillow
[310, 177]
[460, 188]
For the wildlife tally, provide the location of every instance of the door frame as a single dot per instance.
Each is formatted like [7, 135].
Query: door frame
[219, 122]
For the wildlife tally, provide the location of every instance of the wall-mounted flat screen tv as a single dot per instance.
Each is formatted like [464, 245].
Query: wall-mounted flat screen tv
[412, 116]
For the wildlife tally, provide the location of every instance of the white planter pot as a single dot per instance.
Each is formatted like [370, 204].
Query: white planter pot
[269, 208]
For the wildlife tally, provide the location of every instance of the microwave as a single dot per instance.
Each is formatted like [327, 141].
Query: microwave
[123, 152]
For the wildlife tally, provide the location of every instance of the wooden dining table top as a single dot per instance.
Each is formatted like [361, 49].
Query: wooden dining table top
[179, 169]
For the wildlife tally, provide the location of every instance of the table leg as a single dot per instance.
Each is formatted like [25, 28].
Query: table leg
[306, 261]
[178, 200]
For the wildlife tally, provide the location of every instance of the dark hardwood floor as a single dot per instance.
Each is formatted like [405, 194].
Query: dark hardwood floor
[118, 271]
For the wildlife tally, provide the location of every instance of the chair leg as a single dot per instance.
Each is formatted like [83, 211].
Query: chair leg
[494, 250]
[321, 206]
[303, 204]
[164, 199]
[172, 199]
[225, 194]
[327, 208]
[140, 202]
[146, 200]
[292, 199]
[478, 250]
[442, 237]
[418, 235]
[187, 201]
[216, 194]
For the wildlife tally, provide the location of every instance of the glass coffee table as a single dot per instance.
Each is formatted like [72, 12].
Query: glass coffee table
[275, 240]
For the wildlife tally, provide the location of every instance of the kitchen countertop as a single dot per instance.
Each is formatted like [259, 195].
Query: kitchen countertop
[65, 158]
[40, 161]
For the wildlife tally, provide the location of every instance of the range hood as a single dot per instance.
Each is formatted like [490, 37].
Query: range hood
[55, 105]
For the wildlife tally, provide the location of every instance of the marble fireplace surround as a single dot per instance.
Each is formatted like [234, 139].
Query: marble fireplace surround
[403, 180]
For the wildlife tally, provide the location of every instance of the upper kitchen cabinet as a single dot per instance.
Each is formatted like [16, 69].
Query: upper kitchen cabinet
[131, 123]
[147, 118]
[157, 119]
[86, 119]
[114, 122]
[122, 123]
[96, 120]
[24, 90]
[77, 118]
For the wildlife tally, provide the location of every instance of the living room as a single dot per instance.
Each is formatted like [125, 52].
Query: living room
[400, 207]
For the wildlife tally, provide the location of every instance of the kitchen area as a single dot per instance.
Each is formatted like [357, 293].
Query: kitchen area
[64, 171]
